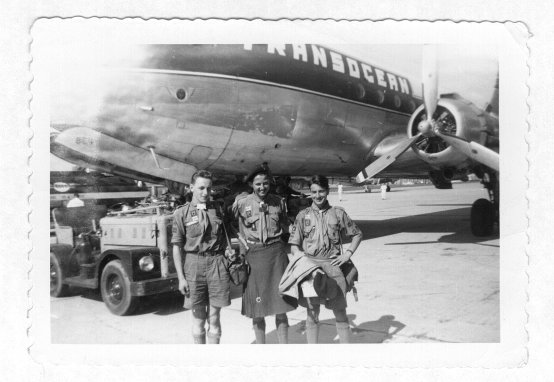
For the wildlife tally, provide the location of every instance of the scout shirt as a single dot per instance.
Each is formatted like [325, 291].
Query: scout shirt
[254, 217]
[317, 231]
[190, 233]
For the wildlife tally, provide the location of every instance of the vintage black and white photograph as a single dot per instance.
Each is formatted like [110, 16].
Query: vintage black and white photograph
[319, 189]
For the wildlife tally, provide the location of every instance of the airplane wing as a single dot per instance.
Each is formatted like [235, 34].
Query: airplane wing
[100, 151]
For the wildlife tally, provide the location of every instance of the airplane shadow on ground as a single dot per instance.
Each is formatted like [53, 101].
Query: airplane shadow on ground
[454, 223]
[370, 332]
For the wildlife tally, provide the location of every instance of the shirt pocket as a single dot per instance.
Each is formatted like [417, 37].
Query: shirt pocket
[215, 224]
[333, 231]
[273, 223]
[252, 222]
[193, 230]
[308, 231]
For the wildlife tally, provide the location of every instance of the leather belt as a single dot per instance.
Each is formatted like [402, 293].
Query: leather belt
[206, 253]
[270, 242]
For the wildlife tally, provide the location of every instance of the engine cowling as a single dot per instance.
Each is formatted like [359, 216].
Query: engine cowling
[456, 116]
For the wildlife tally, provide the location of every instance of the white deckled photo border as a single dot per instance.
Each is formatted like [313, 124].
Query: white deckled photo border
[511, 41]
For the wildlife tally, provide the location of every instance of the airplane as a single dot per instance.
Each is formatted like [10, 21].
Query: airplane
[159, 112]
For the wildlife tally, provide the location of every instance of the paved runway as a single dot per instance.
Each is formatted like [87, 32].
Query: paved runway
[423, 278]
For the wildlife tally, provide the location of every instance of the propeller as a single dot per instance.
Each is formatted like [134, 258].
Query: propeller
[474, 150]
[431, 129]
[430, 86]
[425, 127]
[385, 160]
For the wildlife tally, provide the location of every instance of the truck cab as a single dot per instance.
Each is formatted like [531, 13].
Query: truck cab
[124, 254]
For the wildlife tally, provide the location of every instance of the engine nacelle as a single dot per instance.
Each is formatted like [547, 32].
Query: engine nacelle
[455, 116]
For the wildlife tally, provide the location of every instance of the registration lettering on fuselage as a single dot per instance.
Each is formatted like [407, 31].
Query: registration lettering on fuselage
[326, 58]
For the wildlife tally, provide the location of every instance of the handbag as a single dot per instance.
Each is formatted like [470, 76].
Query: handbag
[350, 272]
[238, 268]
[238, 271]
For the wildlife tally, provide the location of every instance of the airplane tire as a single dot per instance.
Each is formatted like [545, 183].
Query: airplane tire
[57, 287]
[115, 287]
[482, 217]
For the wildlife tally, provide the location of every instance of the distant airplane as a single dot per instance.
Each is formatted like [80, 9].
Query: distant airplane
[160, 112]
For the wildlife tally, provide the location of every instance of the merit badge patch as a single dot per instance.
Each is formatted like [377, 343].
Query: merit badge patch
[193, 213]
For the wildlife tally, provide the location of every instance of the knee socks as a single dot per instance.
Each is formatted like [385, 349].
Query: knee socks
[312, 331]
[213, 338]
[259, 330]
[343, 330]
[282, 324]
[199, 338]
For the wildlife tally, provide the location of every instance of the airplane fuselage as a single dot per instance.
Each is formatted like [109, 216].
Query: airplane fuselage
[303, 109]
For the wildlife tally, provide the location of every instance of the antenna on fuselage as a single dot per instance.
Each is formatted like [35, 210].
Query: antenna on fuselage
[155, 157]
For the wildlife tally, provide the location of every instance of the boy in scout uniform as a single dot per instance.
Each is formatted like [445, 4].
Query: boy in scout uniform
[262, 220]
[317, 233]
[199, 244]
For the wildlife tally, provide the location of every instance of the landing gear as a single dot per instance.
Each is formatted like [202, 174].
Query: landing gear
[485, 213]
[482, 217]
[441, 179]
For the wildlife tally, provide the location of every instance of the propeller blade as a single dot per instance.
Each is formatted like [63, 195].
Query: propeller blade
[429, 77]
[474, 150]
[385, 160]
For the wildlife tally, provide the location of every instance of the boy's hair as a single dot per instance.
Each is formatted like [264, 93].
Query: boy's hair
[200, 174]
[259, 171]
[321, 181]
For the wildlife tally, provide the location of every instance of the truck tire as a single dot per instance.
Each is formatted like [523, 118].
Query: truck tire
[57, 287]
[115, 287]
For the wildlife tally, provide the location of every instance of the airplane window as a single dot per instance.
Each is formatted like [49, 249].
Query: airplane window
[412, 106]
[360, 91]
[380, 97]
[181, 94]
[397, 101]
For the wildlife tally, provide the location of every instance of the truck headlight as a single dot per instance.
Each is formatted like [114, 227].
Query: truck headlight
[146, 263]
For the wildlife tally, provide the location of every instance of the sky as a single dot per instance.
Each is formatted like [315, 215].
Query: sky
[469, 69]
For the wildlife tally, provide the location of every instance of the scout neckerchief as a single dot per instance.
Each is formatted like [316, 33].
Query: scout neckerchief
[202, 217]
[321, 224]
[263, 222]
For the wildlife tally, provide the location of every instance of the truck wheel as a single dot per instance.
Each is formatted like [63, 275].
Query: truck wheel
[482, 218]
[115, 287]
[57, 287]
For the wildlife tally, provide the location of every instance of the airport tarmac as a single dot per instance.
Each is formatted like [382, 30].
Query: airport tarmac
[423, 278]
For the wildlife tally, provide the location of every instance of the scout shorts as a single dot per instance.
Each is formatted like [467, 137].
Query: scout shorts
[208, 280]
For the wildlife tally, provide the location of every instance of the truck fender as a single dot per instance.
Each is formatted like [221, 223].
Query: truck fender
[129, 260]
[63, 253]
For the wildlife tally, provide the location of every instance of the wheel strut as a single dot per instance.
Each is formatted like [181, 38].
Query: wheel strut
[485, 213]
